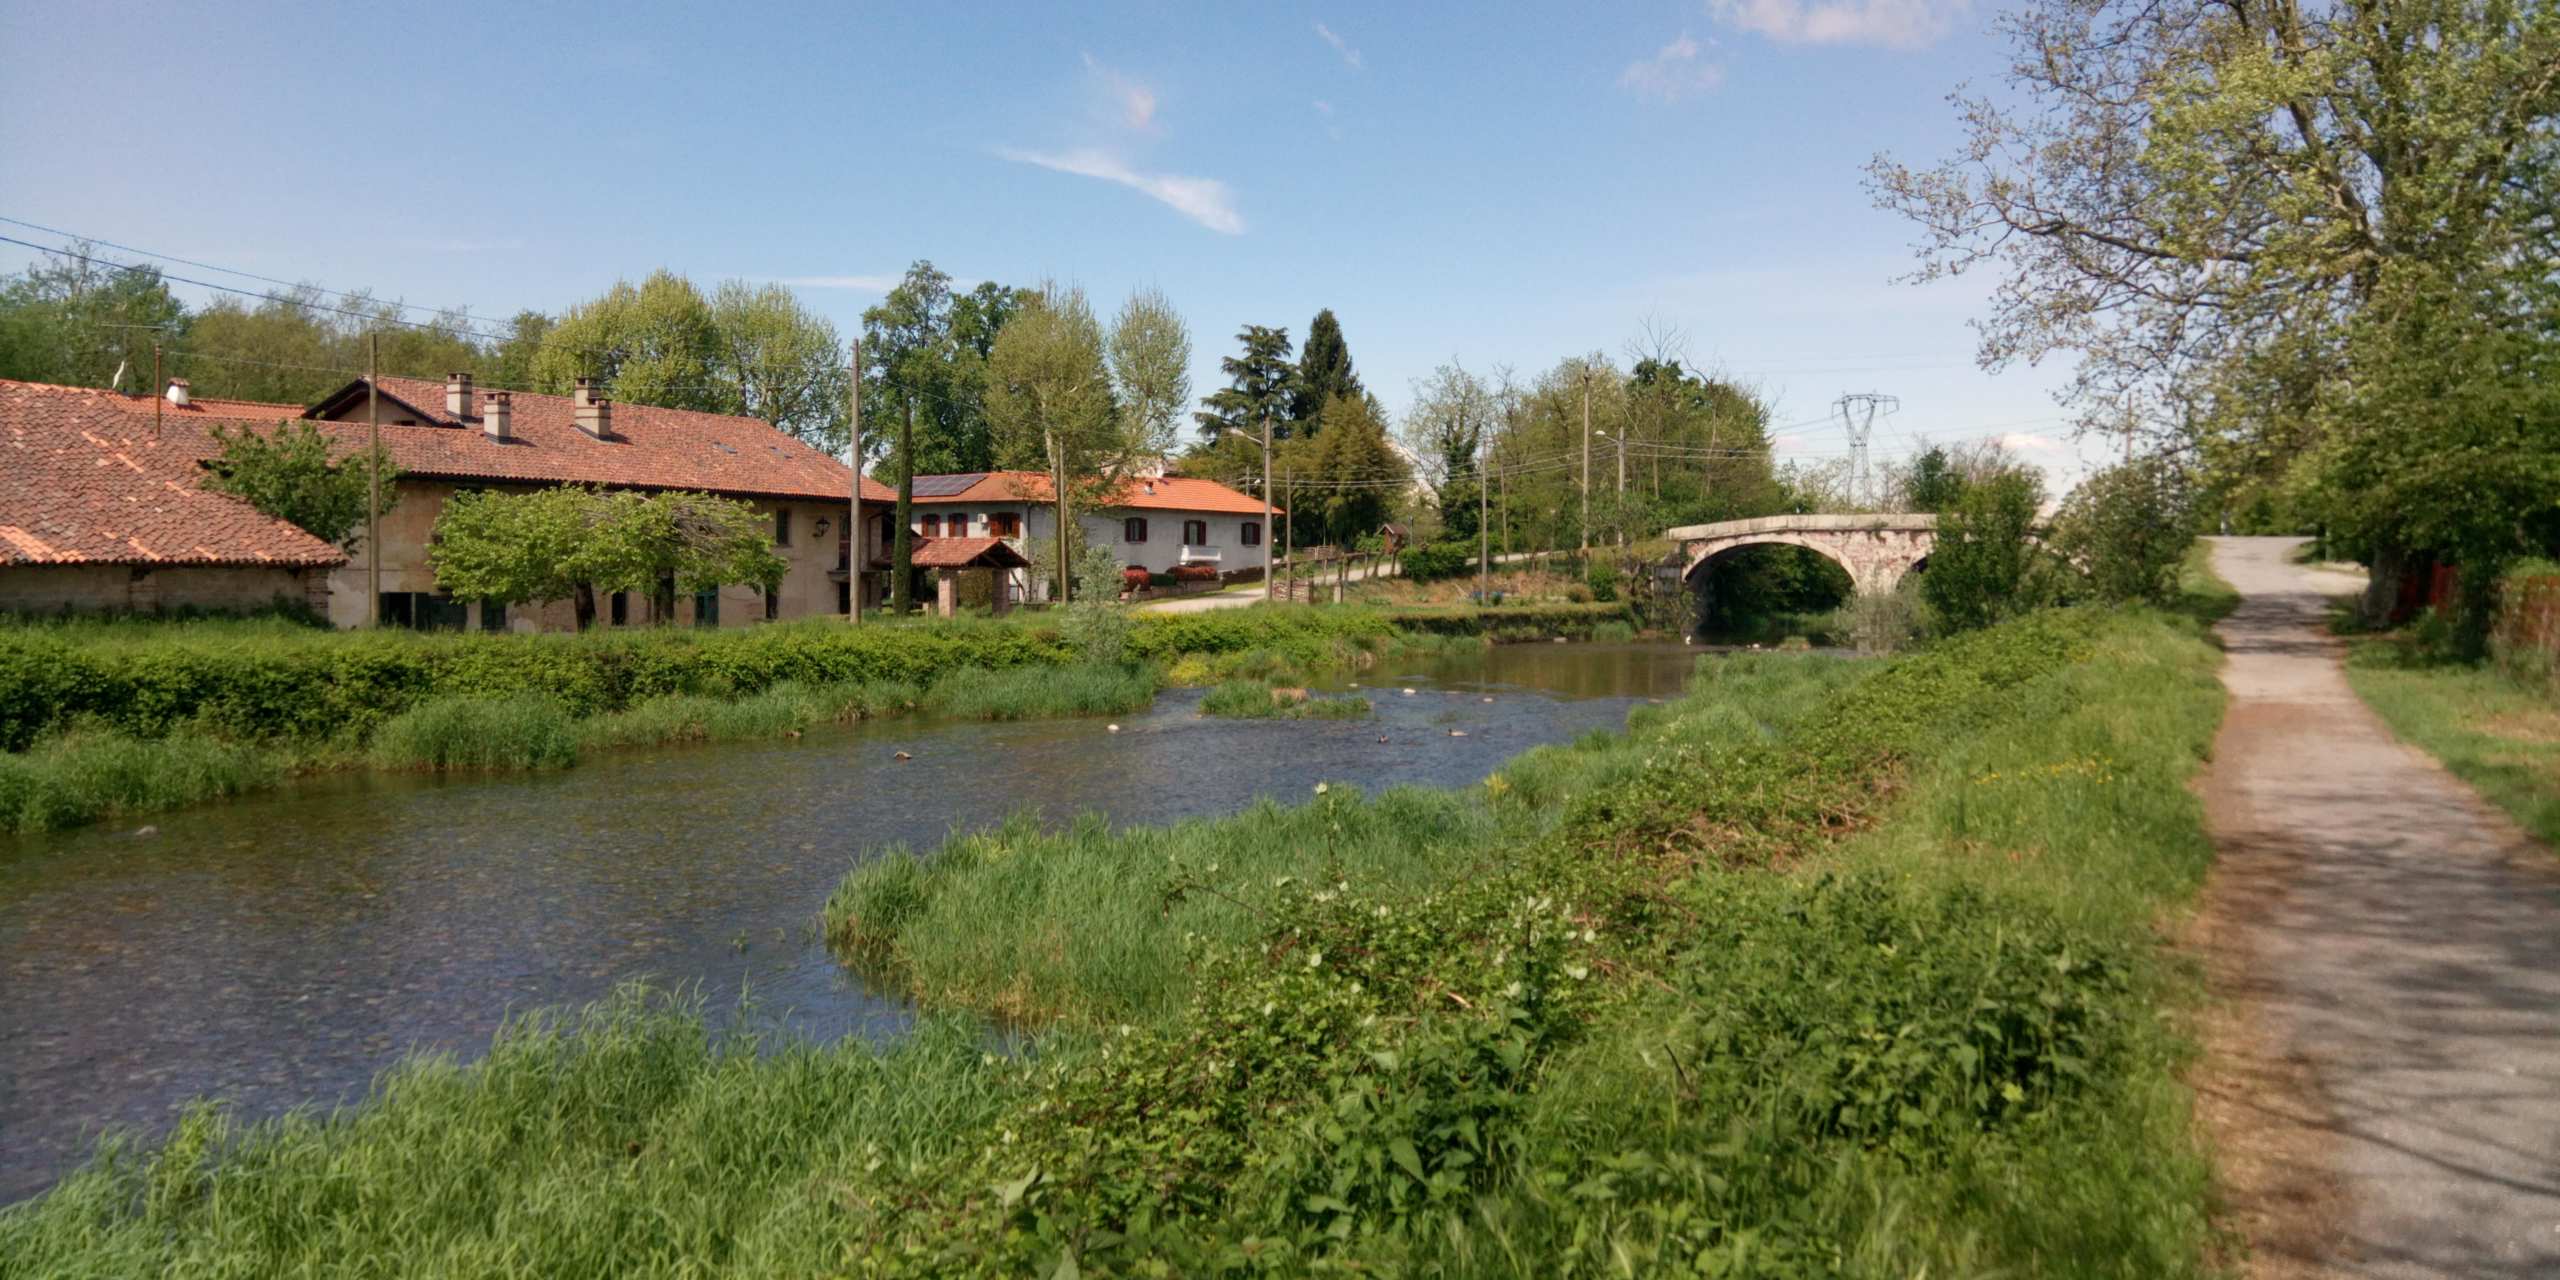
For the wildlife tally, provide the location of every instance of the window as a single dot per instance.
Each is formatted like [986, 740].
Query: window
[1195, 533]
[782, 528]
[706, 608]
[1003, 524]
[1250, 533]
[622, 608]
[933, 526]
[493, 615]
[1133, 529]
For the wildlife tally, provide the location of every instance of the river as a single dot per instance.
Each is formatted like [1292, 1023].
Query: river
[283, 949]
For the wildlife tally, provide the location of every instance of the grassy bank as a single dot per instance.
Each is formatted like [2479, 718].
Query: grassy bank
[1825, 969]
[2491, 730]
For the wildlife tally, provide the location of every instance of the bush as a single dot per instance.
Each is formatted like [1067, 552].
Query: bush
[2126, 530]
[1602, 578]
[1437, 560]
[478, 733]
[1984, 566]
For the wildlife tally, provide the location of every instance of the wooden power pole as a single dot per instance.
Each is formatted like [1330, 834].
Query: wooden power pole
[1586, 466]
[373, 479]
[853, 526]
[1268, 585]
[1484, 528]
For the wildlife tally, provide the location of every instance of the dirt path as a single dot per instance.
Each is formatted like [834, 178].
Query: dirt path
[2382, 1072]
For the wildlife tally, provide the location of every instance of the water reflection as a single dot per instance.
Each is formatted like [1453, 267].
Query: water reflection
[283, 949]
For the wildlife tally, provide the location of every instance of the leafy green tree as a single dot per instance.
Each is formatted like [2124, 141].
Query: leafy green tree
[924, 356]
[1933, 483]
[781, 362]
[1259, 385]
[1150, 351]
[511, 363]
[573, 543]
[2228, 209]
[1984, 565]
[287, 473]
[1453, 411]
[1324, 372]
[76, 319]
[654, 343]
[1049, 402]
[1354, 475]
[2127, 530]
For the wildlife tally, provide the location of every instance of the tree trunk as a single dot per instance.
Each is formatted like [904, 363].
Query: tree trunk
[2382, 585]
[585, 602]
[902, 556]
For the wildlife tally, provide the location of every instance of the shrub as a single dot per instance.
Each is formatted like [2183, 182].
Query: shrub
[1602, 578]
[1983, 566]
[1613, 632]
[1438, 560]
[2126, 530]
[479, 733]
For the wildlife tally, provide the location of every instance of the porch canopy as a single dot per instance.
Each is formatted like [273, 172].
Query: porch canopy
[947, 557]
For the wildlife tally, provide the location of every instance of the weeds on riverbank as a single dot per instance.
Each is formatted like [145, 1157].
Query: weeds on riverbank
[84, 776]
[1084, 689]
[1254, 700]
[1825, 969]
[478, 733]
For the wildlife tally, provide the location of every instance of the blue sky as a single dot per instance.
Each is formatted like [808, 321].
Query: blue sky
[1504, 187]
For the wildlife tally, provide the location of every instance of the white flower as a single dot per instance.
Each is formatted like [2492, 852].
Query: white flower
[1320, 788]
[1576, 972]
[1314, 958]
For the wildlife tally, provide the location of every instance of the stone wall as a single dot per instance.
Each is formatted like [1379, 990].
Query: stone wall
[100, 588]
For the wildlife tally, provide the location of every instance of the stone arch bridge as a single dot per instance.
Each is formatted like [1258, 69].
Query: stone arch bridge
[1876, 550]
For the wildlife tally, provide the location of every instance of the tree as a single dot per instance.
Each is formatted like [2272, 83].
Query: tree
[655, 343]
[1933, 483]
[75, 319]
[2227, 207]
[511, 364]
[779, 361]
[1324, 372]
[1452, 412]
[1049, 403]
[1150, 352]
[1258, 387]
[924, 356]
[573, 543]
[288, 474]
[1353, 475]
[1982, 568]
[2127, 530]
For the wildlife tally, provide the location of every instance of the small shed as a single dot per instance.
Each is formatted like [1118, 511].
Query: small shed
[1393, 537]
[948, 557]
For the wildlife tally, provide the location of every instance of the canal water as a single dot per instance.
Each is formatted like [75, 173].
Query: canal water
[283, 949]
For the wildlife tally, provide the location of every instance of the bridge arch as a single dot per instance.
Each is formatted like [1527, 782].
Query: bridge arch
[1877, 550]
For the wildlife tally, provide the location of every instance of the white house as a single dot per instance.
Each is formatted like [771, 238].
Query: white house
[1151, 523]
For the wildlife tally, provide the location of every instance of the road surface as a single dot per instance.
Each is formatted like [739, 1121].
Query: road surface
[2398, 947]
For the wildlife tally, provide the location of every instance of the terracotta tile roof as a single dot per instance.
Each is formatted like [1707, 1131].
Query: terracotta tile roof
[1169, 493]
[649, 447]
[967, 553]
[83, 480]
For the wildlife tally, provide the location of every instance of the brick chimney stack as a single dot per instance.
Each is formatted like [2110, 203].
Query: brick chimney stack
[493, 416]
[457, 396]
[595, 417]
[178, 392]
[585, 394]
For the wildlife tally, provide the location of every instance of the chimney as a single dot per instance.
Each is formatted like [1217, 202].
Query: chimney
[586, 393]
[595, 417]
[178, 392]
[493, 415]
[457, 396]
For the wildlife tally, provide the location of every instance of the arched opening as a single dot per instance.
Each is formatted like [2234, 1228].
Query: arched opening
[1765, 592]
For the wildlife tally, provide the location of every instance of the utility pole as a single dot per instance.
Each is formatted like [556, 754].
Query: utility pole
[373, 479]
[1267, 584]
[853, 523]
[1620, 441]
[1586, 464]
[159, 394]
[1484, 527]
[1288, 521]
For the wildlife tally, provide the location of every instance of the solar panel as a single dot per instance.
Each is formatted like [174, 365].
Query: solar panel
[945, 486]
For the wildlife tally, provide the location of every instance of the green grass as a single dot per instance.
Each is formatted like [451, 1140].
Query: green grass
[1255, 700]
[1085, 689]
[1824, 969]
[478, 733]
[2489, 729]
[84, 776]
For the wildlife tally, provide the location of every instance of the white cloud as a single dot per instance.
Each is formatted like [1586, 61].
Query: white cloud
[1673, 72]
[1135, 102]
[1203, 200]
[1896, 24]
[859, 284]
[2028, 442]
[1350, 56]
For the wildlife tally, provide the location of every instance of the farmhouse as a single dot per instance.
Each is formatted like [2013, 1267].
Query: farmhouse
[1153, 521]
[446, 438]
